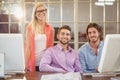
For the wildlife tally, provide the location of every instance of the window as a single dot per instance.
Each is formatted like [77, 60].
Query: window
[75, 13]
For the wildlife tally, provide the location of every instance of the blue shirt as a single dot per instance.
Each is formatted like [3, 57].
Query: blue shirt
[89, 61]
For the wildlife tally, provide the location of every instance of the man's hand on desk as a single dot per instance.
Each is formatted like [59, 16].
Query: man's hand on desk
[96, 69]
[63, 71]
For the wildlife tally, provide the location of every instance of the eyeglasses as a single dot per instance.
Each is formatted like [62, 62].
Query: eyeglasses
[41, 11]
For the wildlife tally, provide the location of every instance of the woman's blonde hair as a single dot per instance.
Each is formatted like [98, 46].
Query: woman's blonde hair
[34, 19]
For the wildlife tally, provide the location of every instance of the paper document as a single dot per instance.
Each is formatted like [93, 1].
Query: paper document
[60, 76]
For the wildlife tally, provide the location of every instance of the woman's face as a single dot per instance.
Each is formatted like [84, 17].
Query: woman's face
[41, 13]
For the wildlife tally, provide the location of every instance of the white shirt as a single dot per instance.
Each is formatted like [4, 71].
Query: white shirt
[40, 45]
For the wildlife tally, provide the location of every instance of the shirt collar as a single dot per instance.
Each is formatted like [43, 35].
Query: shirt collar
[101, 44]
[61, 48]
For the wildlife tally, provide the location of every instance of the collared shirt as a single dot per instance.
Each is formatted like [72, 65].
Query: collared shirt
[88, 59]
[55, 59]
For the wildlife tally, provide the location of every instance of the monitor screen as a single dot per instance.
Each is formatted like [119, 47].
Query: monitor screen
[12, 47]
[110, 58]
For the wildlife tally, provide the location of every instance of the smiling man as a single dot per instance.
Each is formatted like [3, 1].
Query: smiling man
[90, 52]
[61, 58]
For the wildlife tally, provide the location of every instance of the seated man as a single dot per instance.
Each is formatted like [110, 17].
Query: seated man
[61, 58]
[90, 52]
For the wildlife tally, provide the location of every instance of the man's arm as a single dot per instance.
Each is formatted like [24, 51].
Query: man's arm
[46, 61]
[77, 64]
[82, 60]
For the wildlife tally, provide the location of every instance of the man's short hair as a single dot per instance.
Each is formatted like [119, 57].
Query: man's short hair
[64, 27]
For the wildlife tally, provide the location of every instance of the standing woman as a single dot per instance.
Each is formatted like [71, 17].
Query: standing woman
[36, 32]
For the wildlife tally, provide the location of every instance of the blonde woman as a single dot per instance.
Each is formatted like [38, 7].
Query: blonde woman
[39, 36]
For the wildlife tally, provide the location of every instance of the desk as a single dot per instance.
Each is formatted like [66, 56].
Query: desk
[37, 76]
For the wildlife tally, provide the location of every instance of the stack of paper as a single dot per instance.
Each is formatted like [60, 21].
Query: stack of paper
[60, 76]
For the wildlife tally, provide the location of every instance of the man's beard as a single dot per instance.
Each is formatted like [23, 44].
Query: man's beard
[63, 42]
[94, 41]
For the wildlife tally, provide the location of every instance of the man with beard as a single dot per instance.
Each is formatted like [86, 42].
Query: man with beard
[90, 52]
[61, 57]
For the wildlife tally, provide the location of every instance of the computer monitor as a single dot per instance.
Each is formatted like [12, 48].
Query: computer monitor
[110, 57]
[12, 47]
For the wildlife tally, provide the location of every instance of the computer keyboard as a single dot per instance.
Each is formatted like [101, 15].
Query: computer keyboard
[102, 74]
[14, 72]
